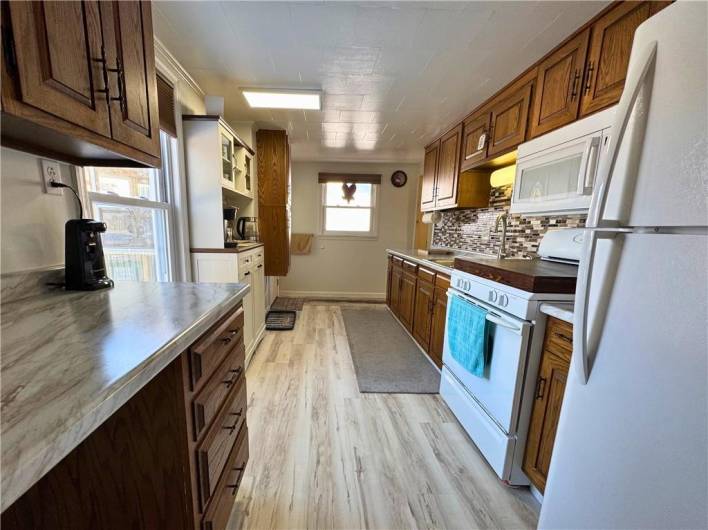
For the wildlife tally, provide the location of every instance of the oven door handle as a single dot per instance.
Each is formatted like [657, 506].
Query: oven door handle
[491, 315]
[496, 319]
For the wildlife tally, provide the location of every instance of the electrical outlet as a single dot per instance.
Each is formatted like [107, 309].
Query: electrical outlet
[51, 172]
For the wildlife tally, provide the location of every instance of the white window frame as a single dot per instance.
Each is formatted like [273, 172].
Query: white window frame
[373, 232]
[165, 190]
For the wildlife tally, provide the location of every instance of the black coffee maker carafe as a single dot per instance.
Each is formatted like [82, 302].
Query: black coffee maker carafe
[83, 252]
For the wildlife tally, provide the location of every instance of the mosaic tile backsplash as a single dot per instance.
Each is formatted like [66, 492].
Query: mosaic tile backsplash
[473, 229]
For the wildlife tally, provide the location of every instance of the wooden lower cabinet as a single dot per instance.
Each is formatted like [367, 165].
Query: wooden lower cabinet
[437, 327]
[172, 457]
[423, 312]
[406, 301]
[550, 387]
[420, 303]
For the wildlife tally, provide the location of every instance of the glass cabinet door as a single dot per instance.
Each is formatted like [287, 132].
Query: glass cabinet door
[227, 160]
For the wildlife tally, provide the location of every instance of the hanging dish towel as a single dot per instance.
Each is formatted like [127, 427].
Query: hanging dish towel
[468, 335]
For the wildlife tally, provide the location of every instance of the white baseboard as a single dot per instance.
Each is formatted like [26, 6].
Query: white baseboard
[333, 295]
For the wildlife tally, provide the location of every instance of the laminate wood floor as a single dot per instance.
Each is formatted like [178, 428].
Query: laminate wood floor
[322, 455]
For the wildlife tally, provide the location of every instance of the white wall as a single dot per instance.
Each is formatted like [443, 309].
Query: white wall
[348, 267]
[32, 222]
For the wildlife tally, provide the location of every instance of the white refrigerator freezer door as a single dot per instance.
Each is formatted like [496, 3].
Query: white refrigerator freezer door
[661, 174]
[631, 445]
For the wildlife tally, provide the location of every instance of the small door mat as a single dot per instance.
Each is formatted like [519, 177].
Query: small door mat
[288, 303]
[280, 320]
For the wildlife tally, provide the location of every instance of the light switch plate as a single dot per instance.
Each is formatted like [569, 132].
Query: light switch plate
[51, 172]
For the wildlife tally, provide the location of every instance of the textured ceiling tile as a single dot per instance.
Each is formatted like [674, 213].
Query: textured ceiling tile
[394, 74]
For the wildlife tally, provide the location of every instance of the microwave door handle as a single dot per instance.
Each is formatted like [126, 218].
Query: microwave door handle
[632, 88]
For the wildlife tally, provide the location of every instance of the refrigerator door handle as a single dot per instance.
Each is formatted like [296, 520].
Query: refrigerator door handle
[581, 349]
[632, 87]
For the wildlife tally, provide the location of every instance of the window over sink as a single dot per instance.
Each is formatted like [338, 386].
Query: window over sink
[349, 205]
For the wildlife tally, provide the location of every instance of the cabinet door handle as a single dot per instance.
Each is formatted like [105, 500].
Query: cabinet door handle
[226, 340]
[234, 487]
[259, 266]
[540, 387]
[564, 338]
[588, 79]
[247, 273]
[574, 89]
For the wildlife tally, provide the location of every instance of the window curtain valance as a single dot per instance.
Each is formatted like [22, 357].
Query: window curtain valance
[356, 178]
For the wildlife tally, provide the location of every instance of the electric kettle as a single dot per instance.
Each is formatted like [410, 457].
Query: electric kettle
[247, 228]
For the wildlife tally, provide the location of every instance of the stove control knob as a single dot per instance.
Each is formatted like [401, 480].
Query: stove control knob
[503, 300]
[493, 295]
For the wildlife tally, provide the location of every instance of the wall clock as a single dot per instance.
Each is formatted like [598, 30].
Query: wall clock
[399, 178]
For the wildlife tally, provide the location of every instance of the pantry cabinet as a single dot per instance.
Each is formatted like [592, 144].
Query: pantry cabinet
[79, 82]
[558, 86]
[550, 387]
[274, 199]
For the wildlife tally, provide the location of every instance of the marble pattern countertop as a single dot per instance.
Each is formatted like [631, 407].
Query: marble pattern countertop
[71, 359]
[558, 310]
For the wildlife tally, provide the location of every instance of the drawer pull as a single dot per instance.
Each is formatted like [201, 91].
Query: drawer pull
[564, 338]
[232, 428]
[226, 340]
[231, 381]
[234, 487]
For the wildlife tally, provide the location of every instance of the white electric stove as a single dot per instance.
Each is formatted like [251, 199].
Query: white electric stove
[495, 409]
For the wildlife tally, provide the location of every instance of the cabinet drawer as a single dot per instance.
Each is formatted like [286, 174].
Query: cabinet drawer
[214, 449]
[207, 353]
[442, 281]
[559, 338]
[217, 515]
[426, 275]
[210, 398]
[398, 262]
[409, 266]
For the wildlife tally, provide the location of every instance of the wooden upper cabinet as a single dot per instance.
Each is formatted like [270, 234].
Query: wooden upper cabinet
[130, 60]
[79, 82]
[58, 54]
[508, 121]
[608, 56]
[448, 168]
[430, 168]
[558, 86]
[475, 135]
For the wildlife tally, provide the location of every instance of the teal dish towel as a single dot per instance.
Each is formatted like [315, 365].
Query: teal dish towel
[468, 335]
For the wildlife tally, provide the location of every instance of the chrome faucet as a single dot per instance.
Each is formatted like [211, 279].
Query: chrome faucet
[501, 253]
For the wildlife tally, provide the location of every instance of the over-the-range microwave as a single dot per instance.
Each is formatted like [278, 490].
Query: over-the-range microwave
[555, 173]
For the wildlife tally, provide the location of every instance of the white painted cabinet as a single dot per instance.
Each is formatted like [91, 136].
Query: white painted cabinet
[244, 267]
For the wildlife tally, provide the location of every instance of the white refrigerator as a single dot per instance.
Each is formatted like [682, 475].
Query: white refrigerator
[631, 448]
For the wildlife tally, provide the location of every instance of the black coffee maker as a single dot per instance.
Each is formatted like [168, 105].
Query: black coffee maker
[83, 252]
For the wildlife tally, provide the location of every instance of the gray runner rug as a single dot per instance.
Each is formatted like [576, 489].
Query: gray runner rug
[385, 358]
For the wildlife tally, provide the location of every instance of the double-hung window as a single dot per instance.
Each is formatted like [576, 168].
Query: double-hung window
[136, 205]
[349, 204]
